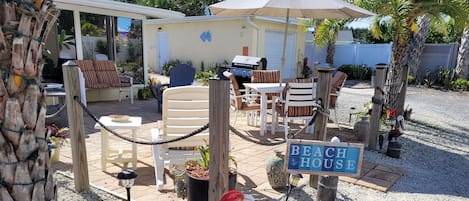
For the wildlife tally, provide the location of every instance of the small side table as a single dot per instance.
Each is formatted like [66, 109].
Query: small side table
[133, 124]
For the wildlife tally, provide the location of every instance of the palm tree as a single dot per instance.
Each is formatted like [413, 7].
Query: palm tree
[462, 66]
[402, 16]
[25, 171]
[326, 35]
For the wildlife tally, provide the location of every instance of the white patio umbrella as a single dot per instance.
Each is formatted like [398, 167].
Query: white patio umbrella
[317, 9]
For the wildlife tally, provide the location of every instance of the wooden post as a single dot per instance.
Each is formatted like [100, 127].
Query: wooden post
[76, 126]
[323, 90]
[219, 128]
[327, 189]
[377, 106]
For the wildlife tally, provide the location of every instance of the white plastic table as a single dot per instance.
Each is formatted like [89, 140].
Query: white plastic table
[263, 89]
[133, 124]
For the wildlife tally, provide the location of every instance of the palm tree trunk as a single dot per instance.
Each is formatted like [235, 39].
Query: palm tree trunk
[417, 44]
[24, 152]
[415, 51]
[330, 52]
[394, 77]
[462, 66]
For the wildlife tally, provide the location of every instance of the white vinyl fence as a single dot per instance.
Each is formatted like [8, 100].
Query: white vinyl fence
[434, 56]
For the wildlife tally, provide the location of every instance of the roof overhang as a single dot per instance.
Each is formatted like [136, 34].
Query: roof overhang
[215, 18]
[115, 8]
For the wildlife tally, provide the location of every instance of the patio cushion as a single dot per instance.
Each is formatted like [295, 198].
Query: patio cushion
[89, 73]
[106, 73]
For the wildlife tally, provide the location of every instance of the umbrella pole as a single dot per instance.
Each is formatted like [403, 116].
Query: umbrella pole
[285, 34]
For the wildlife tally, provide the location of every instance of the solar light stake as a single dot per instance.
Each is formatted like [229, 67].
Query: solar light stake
[126, 179]
[294, 179]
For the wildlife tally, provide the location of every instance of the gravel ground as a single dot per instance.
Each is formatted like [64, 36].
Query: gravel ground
[435, 152]
[435, 149]
[66, 191]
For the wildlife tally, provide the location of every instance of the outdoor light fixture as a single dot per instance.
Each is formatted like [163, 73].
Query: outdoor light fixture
[126, 179]
[294, 179]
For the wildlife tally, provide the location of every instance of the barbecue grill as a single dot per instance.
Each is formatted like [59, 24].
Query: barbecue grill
[241, 67]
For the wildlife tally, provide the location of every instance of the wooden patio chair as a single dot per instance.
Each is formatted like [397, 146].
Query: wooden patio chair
[242, 102]
[266, 76]
[185, 109]
[297, 102]
[338, 81]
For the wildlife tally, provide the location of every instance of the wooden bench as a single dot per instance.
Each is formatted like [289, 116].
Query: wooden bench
[103, 74]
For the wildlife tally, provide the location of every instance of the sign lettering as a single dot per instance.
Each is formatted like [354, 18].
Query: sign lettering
[319, 157]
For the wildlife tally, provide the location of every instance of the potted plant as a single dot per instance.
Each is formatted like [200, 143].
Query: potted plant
[197, 175]
[58, 137]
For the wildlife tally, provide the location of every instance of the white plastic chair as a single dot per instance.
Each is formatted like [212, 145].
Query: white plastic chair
[185, 109]
[299, 103]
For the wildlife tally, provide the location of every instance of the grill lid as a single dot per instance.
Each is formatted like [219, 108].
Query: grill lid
[246, 61]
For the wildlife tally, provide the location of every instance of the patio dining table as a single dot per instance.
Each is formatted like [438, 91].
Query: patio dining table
[263, 89]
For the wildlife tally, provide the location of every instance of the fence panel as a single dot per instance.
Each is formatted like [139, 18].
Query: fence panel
[434, 56]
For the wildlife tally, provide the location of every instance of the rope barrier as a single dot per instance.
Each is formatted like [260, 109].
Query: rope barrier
[56, 113]
[195, 132]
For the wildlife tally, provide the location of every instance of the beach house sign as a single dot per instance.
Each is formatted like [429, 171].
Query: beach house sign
[324, 158]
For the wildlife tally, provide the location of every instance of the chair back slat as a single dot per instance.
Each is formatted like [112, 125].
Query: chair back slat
[185, 109]
[299, 100]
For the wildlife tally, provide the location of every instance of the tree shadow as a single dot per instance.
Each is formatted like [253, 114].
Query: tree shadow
[433, 163]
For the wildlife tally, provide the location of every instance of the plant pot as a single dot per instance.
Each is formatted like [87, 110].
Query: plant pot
[197, 188]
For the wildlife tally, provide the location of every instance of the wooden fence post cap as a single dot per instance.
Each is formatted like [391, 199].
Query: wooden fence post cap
[69, 63]
[381, 65]
[326, 69]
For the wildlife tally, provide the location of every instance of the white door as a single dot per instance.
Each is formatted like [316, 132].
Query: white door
[273, 52]
[163, 50]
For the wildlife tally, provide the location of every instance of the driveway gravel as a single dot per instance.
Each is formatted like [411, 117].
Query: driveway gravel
[435, 148]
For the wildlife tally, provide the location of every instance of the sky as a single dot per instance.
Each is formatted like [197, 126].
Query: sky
[362, 23]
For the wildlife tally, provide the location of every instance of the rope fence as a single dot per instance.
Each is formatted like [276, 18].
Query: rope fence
[199, 130]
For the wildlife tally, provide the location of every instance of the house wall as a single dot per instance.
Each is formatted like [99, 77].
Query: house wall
[185, 43]
[228, 37]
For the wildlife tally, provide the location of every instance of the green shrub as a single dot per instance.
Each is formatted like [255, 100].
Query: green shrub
[168, 65]
[460, 84]
[411, 79]
[88, 28]
[444, 77]
[204, 76]
[356, 72]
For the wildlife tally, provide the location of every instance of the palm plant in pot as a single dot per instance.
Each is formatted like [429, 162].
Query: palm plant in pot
[197, 175]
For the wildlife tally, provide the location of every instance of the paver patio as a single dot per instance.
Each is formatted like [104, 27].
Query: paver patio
[251, 157]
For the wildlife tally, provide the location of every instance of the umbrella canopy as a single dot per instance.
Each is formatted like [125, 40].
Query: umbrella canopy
[317, 9]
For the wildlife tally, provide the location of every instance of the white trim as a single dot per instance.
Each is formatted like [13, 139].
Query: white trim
[115, 8]
[214, 18]
[78, 37]
[145, 53]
